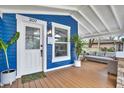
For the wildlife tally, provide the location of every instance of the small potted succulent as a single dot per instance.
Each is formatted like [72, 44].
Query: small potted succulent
[9, 75]
[78, 48]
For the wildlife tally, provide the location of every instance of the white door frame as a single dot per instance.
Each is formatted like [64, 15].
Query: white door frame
[20, 20]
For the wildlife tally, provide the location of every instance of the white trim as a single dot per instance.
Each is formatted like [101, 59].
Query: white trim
[79, 20]
[20, 20]
[1, 14]
[27, 19]
[35, 12]
[65, 7]
[116, 16]
[56, 68]
[45, 47]
[115, 32]
[68, 57]
[86, 18]
[99, 16]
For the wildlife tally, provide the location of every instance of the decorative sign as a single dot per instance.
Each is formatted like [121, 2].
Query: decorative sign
[33, 20]
[50, 40]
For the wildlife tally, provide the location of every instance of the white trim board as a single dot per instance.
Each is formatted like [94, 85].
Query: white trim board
[1, 14]
[56, 68]
[35, 12]
[115, 32]
[20, 20]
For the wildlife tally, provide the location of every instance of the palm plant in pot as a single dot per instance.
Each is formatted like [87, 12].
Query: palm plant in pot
[78, 48]
[9, 75]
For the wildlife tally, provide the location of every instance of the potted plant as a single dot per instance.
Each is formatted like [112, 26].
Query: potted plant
[79, 45]
[9, 75]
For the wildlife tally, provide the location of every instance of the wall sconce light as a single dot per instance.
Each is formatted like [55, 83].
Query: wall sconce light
[49, 33]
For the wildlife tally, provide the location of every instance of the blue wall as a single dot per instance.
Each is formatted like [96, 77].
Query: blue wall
[9, 28]
[1, 52]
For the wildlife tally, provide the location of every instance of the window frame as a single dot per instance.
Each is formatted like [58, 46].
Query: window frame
[61, 58]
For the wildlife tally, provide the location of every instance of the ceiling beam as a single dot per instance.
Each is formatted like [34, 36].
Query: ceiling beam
[81, 30]
[34, 12]
[66, 7]
[81, 33]
[116, 16]
[102, 20]
[116, 32]
[86, 18]
[79, 20]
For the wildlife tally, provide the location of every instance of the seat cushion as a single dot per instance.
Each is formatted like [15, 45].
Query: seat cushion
[102, 54]
[110, 54]
[98, 57]
[92, 53]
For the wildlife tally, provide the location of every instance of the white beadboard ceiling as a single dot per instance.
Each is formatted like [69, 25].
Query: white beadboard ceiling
[93, 20]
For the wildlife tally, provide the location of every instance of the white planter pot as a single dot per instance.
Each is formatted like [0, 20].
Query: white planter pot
[8, 77]
[77, 63]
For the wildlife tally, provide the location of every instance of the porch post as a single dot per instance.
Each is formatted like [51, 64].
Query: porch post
[98, 44]
[115, 47]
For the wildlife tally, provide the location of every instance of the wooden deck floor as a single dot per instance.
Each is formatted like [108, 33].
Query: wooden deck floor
[90, 75]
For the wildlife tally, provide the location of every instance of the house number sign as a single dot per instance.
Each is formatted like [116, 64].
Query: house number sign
[33, 20]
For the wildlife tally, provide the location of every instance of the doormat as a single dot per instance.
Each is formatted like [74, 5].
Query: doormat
[34, 76]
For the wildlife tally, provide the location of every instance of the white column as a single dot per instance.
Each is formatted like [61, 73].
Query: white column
[98, 43]
[115, 47]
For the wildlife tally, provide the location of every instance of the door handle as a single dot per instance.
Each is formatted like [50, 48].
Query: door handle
[41, 52]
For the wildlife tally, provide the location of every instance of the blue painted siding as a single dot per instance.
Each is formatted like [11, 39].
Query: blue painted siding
[1, 52]
[9, 28]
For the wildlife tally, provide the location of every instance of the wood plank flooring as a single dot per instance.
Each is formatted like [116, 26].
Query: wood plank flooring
[90, 75]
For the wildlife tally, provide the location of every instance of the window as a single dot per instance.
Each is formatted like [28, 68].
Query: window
[61, 45]
[60, 50]
[32, 38]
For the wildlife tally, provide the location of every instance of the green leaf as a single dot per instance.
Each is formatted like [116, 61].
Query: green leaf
[14, 39]
[0, 45]
[79, 44]
[3, 45]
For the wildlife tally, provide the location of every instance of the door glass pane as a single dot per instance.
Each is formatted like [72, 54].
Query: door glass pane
[61, 35]
[60, 50]
[32, 38]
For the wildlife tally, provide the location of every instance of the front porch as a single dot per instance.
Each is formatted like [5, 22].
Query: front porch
[90, 75]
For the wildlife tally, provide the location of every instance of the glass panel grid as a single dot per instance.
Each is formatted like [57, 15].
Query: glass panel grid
[60, 50]
[32, 38]
[61, 42]
[61, 35]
